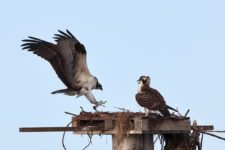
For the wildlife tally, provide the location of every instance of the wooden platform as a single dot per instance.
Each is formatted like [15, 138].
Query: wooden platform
[129, 130]
[139, 124]
[105, 123]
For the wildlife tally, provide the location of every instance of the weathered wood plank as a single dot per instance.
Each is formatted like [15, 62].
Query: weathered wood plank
[108, 124]
[169, 125]
[47, 129]
[204, 128]
[58, 129]
[134, 142]
[140, 124]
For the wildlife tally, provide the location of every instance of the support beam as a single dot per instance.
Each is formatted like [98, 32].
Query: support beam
[58, 129]
[133, 142]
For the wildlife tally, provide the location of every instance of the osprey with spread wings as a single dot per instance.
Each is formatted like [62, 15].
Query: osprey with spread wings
[68, 59]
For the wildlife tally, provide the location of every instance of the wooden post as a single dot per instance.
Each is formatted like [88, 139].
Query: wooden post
[134, 142]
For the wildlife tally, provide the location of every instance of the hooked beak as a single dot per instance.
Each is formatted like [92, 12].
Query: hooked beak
[100, 87]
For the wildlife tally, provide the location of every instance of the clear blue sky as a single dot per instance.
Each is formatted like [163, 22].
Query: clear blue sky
[180, 44]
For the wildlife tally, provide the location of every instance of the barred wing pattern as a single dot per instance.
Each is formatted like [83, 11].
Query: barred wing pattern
[74, 57]
[67, 57]
[49, 52]
[152, 100]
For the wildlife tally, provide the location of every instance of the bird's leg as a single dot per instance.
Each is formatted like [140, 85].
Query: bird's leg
[95, 108]
[81, 92]
[99, 103]
[92, 100]
[147, 111]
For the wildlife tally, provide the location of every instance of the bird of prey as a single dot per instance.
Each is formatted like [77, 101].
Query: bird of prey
[68, 59]
[150, 98]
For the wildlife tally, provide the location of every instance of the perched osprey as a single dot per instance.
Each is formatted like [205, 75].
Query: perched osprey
[150, 98]
[68, 59]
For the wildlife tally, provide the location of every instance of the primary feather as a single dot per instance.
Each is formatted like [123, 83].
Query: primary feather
[68, 59]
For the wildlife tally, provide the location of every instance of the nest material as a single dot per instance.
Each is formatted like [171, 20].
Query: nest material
[123, 126]
[184, 141]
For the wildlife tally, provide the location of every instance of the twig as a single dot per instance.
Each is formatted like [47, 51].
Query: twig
[216, 136]
[171, 108]
[202, 141]
[156, 139]
[217, 131]
[82, 110]
[123, 109]
[161, 142]
[90, 141]
[187, 113]
[179, 113]
[68, 113]
[64, 133]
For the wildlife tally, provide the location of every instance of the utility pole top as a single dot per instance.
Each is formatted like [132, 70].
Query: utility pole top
[130, 130]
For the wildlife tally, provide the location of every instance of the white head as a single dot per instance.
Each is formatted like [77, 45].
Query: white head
[143, 80]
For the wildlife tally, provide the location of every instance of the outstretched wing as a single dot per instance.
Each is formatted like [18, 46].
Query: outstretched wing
[49, 52]
[73, 56]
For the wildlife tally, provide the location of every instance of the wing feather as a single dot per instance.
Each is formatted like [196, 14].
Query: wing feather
[73, 55]
[152, 100]
[49, 52]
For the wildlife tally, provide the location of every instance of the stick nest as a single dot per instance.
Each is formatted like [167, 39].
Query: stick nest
[123, 125]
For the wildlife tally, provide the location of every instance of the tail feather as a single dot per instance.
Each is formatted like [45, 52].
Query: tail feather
[69, 92]
[171, 108]
[165, 112]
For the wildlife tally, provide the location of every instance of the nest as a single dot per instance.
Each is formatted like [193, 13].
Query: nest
[184, 141]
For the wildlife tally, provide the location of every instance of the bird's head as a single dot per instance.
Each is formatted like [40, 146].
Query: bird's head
[144, 80]
[98, 85]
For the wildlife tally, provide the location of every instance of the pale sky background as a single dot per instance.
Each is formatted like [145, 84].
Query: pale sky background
[179, 43]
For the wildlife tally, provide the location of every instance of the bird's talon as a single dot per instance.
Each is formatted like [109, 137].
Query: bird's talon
[101, 103]
[95, 108]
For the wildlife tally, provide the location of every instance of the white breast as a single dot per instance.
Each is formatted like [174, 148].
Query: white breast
[140, 84]
[90, 84]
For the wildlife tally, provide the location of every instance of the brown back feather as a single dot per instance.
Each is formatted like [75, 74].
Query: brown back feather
[74, 57]
[152, 99]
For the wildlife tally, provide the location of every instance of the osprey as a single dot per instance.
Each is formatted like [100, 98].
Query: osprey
[68, 59]
[150, 98]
